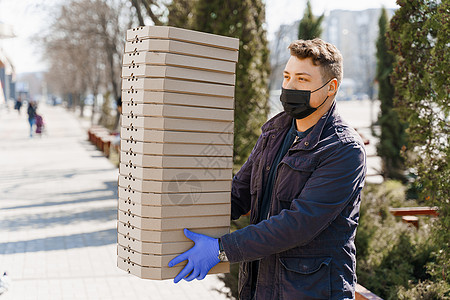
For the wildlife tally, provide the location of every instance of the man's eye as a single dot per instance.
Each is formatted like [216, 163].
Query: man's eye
[301, 79]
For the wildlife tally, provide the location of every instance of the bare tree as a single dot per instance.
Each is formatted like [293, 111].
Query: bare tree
[149, 7]
[84, 46]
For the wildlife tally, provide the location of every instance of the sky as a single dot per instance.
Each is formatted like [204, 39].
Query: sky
[30, 17]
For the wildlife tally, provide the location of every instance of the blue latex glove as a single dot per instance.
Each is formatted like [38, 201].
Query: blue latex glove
[201, 258]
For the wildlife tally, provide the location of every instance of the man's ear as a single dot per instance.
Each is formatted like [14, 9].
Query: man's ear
[332, 87]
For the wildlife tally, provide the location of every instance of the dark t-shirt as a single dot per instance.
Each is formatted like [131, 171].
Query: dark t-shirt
[267, 190]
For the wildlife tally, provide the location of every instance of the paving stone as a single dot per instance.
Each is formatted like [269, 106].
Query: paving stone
[58, 217]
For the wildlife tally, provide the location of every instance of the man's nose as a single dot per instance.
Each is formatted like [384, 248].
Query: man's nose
[289, 85]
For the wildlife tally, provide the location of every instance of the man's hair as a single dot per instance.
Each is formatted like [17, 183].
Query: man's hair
[323, 54]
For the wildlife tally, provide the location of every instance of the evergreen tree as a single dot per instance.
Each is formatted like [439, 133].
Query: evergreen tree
[242, 19]
[418, 36]
[310, 26]
[392, 137]
[180, 13]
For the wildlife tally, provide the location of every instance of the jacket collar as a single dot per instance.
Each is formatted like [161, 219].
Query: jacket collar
[282, 121]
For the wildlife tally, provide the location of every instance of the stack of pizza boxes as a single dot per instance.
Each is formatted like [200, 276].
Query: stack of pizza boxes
[176, 145]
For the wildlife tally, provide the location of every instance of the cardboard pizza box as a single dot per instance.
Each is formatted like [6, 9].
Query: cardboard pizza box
[177, 85]
[162, 273]
[190, 185]
[177, 111]
[157, 71]
[168, 199]
[130, 231]
[179, 137]
[180, 34]
[154, 248]
[145, 259]
[177, 124]
[170, 162]
[176, 149]
[173, 223]
[163, 174]
[136, 61]
[179, 47]
[174, 211]
[142, 96]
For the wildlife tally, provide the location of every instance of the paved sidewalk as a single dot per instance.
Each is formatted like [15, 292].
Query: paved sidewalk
[58, 199]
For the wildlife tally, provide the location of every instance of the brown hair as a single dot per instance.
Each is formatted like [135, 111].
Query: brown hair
[323, 54]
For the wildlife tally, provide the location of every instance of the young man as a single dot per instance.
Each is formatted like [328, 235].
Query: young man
[301, 184]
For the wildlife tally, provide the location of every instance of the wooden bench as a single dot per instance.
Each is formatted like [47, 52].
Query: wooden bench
[414, 211]
[101, 138]
[362, 293]
[409, 214]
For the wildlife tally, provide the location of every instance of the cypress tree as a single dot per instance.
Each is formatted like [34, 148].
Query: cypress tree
[180, 13]
[310, 26]
[418, 36]
[392, 137]
[243, 19]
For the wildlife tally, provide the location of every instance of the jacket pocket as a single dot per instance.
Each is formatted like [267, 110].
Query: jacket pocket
[305, 277]
[292, 176]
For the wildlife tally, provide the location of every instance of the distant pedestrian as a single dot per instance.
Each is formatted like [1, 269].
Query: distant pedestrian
[31, 115]
[118, 113]
[40, 125]
[18, 104]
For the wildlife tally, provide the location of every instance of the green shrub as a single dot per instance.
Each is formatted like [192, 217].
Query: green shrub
[425, 290]
[393, 258]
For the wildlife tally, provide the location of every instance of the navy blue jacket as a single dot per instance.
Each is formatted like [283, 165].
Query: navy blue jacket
[306, 245]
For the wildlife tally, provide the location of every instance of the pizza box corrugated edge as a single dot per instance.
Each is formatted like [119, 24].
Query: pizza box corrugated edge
[135, 62]
[183, 99]
[173, 223]
[177, 149]
[176, 72]
[177, 85]
[165, 236]
[176, 186]
[168, 199]
[148, 211]
[177, 124]
[177, 111]
[180, 47]
[146, 260]
[181, 34]
[154, 248]
[134, 172]
[174, 162]
[178, 137]
[163, 273]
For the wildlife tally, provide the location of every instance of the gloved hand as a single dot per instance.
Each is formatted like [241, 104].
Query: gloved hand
[201, 258]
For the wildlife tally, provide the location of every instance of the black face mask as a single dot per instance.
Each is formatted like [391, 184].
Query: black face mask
[296, 102]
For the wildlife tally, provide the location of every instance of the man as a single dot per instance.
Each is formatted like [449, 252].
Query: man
[301, 184]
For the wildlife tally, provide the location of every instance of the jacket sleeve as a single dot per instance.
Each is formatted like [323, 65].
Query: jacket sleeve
[240, 188]
[336, 182]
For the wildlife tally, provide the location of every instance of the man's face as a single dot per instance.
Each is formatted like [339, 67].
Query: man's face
[302, 74]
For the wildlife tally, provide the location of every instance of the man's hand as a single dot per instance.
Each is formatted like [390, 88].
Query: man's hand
[201, 258]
